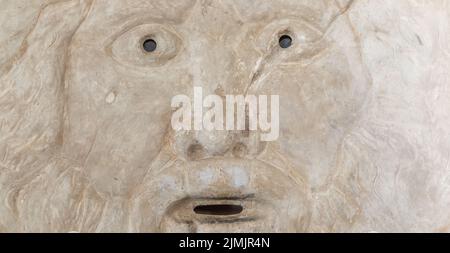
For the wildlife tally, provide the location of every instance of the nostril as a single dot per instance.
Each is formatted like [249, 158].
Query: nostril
[240, 150]
[218, 209]
[195, 151]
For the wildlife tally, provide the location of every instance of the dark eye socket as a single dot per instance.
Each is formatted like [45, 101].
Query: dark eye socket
[149, 45]
[285, 41]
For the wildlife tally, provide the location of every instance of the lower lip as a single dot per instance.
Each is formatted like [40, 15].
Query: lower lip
[221, 195]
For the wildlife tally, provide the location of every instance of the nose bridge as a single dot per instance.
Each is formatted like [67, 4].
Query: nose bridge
[215, 68]
[212, 71]
[199, 143]
[213, 39]
[221, 75]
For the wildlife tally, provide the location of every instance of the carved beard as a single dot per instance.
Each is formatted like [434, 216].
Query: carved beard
[32, 105]
[55, 195]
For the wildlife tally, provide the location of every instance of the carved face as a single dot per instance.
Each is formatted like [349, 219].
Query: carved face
[117, 121]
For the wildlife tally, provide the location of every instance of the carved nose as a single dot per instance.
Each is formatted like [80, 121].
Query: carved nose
[198, 145]
[210, 143]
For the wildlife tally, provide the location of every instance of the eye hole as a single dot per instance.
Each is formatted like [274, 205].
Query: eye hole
[146, 45]
[149, 45]
[285, 41]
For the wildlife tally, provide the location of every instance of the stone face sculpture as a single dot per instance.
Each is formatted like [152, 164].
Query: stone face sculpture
[86, 142]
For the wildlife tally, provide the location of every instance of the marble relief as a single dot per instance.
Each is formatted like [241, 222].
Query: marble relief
[87, 142]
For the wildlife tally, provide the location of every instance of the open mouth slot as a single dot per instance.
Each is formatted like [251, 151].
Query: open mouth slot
[218, 209]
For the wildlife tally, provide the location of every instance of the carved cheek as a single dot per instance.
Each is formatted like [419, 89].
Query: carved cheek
[115, 118]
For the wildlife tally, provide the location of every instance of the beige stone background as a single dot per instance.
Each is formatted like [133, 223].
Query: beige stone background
[394, 174]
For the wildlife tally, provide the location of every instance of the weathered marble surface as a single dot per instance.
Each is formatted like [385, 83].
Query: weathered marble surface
[86, 145]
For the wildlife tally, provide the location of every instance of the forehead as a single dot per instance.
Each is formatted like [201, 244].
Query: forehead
[315, 11]
[155, 9]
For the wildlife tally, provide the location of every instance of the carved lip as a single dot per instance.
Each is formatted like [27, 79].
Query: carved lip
[213, 210]
[218, 187]
[207, 194]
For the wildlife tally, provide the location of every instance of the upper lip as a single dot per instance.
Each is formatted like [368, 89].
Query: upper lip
[261, 190]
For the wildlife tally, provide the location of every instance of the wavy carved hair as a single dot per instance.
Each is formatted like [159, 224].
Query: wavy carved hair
[32, 95]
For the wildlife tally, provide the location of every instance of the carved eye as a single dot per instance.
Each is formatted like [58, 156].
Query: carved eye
[296, 35]
[146, 46]
[149, 45]
[285, 41]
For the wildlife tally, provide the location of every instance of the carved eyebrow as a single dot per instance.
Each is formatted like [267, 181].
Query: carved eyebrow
[313, 15]
[155, 10]
[254, 13]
